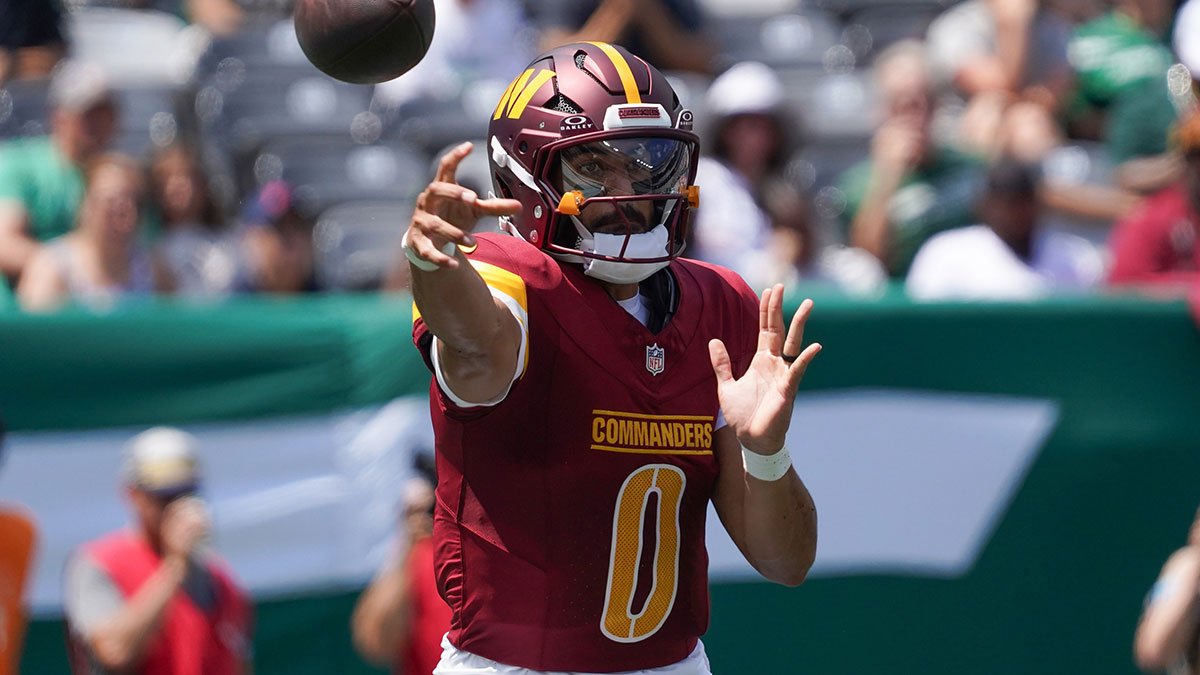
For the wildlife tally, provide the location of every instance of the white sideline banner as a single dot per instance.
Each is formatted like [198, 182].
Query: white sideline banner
[905, 482]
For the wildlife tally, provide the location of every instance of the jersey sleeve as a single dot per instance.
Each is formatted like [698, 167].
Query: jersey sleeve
[90, 597]
[509, 288]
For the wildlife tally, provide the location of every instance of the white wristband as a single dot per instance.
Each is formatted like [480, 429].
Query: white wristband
[419, 262]
[767, 467]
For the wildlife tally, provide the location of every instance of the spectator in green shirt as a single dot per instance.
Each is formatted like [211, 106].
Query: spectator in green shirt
[1120, 61]
[41, 179]
[911, 187]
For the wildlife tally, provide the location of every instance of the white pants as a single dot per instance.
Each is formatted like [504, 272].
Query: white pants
[457, 662]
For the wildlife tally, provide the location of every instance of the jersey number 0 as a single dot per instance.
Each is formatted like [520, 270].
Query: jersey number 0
[620, 621]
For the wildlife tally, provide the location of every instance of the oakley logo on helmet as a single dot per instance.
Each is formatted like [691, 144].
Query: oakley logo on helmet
[576, 123]
[686, 120]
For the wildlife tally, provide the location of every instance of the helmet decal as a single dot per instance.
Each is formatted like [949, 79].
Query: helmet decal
[519, 92]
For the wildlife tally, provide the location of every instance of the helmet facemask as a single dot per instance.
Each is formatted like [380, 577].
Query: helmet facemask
[622, 200]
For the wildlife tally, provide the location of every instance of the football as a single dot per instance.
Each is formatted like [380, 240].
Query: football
[364, 41]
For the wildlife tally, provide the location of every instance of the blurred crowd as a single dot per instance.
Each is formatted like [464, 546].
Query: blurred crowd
[978, 149]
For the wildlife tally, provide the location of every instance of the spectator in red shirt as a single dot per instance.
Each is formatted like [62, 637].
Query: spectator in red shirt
[400, 619]
[1156, 243]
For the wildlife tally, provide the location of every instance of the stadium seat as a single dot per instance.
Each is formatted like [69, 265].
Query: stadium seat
[259, 42]
[432, 124]
[135, 46]
[238, 108]
[779, 40]
[821, 161]
[832, 106]
[871, 29]
[719, 10]
[326, 170]
[151, 117]
[354, 243]
[23, 108]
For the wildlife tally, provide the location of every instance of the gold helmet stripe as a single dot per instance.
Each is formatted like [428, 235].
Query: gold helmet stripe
[623, 70]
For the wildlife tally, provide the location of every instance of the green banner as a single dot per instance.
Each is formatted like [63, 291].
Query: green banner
[1056, 586]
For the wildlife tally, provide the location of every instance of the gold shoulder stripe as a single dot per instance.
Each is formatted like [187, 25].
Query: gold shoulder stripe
[498, 278]
[504, 281]
[623, 70]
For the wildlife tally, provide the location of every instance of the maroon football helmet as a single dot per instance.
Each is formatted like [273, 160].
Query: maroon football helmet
[593, 142]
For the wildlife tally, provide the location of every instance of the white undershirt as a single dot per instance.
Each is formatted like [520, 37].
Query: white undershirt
[637, 307]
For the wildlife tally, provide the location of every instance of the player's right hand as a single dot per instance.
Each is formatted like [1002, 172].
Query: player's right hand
[446, 212]
[185, 523]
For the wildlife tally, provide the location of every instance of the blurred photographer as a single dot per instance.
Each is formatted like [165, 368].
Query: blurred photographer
[152, 598]
[400, 618]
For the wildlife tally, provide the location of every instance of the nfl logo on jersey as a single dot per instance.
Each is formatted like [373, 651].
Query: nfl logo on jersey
[654, 359]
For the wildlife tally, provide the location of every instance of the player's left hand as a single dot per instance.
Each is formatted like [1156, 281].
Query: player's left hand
[758, 405]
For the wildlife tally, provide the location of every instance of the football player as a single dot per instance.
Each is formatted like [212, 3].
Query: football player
[592, 390]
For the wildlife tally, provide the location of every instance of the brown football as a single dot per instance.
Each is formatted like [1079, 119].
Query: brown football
[364, 41]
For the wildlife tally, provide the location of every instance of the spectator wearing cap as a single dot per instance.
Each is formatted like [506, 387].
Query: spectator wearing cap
[41, 178]
[153, 598]
[103, 261]
[1010, 256]
[913, 185]
[275, 242]
[1155, 245]
[752, 219]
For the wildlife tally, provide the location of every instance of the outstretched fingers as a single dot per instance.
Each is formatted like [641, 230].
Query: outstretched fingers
[496, 206]
[719, 356]
[798, 367]
[795, 334]
[419, 239]
[770, 320]
[448, 166]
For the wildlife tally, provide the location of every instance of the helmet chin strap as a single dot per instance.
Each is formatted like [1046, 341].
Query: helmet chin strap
[652, 244]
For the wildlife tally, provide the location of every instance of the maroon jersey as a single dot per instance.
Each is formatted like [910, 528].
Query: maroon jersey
[570, 516]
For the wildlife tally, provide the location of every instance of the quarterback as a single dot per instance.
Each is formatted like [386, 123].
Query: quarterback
[592, 390]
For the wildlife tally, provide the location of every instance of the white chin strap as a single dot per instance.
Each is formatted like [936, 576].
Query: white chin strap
[652, 244]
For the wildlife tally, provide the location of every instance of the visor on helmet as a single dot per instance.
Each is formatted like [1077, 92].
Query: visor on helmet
[619, 167]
